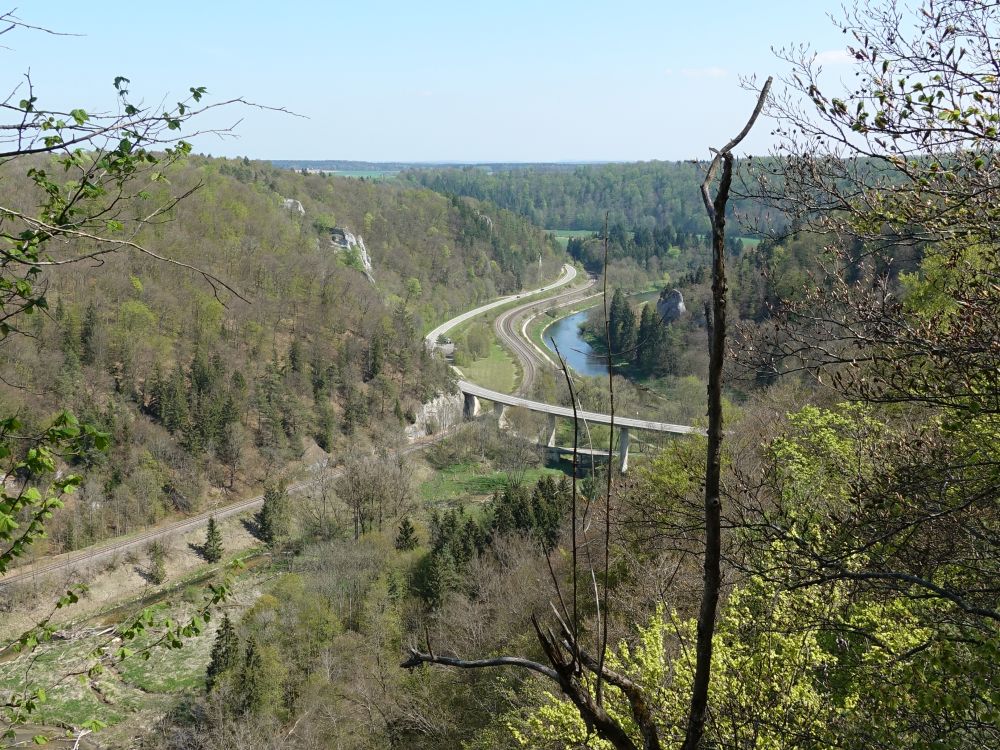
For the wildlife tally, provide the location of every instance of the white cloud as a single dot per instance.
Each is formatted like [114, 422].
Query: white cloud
[834, 57]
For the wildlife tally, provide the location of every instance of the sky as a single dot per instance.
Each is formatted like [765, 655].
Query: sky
[380, 80]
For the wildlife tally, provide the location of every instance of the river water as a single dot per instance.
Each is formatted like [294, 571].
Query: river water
[578, 354]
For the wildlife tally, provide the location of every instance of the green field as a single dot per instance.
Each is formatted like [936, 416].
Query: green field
[369, 173]
[472, 479]
[563, 235]
[497, 372]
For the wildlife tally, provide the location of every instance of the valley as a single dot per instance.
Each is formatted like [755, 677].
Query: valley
[395, 376]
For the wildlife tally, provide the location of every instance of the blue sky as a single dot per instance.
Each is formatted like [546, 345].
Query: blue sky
[439, 80]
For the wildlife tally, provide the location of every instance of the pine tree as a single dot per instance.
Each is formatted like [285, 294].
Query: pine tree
[406, 539]
[376, 353]
[87, 331]
[273, 520]
[225, 653]
[621, 328]
[251, 691]
[295, 356]
[647, 344]
[212, 549]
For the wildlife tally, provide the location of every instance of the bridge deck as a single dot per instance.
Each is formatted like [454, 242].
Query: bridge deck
[564, 411]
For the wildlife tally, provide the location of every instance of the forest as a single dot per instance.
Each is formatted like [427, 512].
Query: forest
[208, 395]
[817, 568]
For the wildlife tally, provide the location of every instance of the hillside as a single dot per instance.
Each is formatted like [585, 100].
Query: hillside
[207, 395]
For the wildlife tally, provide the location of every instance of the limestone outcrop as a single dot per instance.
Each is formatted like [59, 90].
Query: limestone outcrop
[438, 414]
[344, 239]
[290, 204]
[670, 306]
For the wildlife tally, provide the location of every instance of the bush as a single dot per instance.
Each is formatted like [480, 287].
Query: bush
[157, 563]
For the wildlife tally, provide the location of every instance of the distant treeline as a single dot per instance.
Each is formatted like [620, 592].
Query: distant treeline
[397, 166]
[649, 195]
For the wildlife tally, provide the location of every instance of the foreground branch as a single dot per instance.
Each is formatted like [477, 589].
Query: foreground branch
[417, 658]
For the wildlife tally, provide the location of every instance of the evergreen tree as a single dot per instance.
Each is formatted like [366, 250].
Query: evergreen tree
[376, 353]
[325, 423]
[87, 331]
[621, 327]
[547, 512]
[260, 680]
[295, 356]
[273, 519]
[225, 653]
[212, 549]
[172, 400]
[648, 344]
[157, 563]
[435, 576]
[406, 538]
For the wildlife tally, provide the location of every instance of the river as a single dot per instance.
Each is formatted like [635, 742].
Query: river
[579, 355]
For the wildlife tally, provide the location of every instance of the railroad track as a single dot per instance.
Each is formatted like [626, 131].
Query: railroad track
[96, 553]
[511, 334]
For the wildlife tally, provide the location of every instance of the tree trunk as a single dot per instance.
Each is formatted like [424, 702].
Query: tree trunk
[716, 210]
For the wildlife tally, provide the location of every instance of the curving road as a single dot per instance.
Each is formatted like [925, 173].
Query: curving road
[568, 274]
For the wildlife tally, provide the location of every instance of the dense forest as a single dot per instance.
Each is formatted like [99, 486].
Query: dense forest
[642, 196]
[649, 194]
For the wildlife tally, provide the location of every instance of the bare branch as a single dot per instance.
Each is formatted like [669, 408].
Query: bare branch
[417, 658]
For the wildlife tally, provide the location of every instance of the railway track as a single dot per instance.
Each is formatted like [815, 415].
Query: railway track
[73, 561]
[510, 332]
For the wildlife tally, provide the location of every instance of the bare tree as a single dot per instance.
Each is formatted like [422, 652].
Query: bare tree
[570, 664]
[376, 490]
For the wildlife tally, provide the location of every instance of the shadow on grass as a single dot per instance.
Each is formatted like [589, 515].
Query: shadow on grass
[252, 527]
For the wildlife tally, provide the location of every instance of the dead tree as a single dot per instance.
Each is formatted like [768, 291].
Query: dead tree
[716, 317]
[569, 661]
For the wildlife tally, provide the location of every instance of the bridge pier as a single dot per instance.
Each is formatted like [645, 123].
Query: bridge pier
[551, 442]
[498, 408]
[470, 407]
[623, 441]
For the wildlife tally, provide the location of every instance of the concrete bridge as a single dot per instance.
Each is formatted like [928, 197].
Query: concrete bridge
[472, 393]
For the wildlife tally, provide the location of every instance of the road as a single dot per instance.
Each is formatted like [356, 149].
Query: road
[513, 336]
[568, 274]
